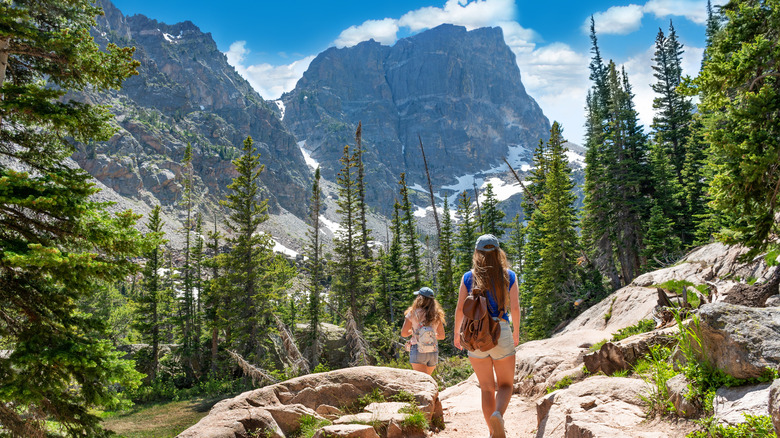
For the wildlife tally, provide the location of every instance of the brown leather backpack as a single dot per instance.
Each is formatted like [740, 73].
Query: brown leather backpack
[478, 331]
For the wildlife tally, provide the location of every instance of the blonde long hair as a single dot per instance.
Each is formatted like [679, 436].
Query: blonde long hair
[490, 273]
[431, 310]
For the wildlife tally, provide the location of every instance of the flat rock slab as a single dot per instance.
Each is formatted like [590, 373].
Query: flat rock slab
[597, 404]
[732, 403]
[347, 431]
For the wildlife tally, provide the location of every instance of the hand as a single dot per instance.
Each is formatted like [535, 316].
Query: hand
[516, 338]
[456, 341]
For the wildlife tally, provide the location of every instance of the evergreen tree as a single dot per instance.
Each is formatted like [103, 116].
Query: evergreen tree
[397, 276]
[674, 111]
[187, 303]
[713, 26]
[597, 224]
[315, 270]
[249, 297]
[448, 288]
[492, 215]
[351, 273]
[740, 101]
[516, 244]
[212, 300]
[466, 236]
[57, 245]
[410, 238]
[148, 315]
[558, 244]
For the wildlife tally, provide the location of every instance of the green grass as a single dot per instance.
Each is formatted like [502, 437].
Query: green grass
[309, 426]
[415, 418]
[563, 383]
[642, 326]
[158, 420]
[753, 427]
[676, 286]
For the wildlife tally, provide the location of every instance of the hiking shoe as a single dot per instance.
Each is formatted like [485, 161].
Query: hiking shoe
[497, 424]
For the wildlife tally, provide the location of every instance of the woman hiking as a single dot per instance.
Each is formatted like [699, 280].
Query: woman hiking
[490, 273]
[425, 322]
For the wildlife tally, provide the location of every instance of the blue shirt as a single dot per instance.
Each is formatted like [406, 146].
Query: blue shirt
[468, 278]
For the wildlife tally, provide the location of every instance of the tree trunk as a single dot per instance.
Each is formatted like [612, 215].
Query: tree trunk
[4, 44]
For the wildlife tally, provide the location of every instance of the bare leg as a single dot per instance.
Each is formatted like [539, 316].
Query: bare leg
[423, 368]
[505, 377]
[487, 384]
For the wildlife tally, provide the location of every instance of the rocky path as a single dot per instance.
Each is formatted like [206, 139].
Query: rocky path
[463, 413]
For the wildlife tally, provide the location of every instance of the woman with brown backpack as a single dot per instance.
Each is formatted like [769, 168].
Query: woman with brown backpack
[487, 292]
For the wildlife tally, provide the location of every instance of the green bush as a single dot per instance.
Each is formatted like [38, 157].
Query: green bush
[759, 426]
[642, 326]
[563, 383]
[677, 286]
[415, 418]
[308, 426]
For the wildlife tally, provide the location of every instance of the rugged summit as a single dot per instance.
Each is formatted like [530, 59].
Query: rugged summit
[186, 92]
[459, 90]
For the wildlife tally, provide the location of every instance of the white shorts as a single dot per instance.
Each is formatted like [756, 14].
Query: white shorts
[503, 349]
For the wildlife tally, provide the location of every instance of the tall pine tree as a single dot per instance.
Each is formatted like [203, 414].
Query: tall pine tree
[315, 271]
[148, 313]
[57, 244]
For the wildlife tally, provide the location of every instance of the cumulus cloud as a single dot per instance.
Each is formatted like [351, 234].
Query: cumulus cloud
[471, 14]
[622, 20]
[619, 20]
[557, 77]
[383, 31]
[270, 81]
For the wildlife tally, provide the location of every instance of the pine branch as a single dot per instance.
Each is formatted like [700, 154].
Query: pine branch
[255, 373]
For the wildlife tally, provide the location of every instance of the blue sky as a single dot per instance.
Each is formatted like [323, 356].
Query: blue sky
[271, 43]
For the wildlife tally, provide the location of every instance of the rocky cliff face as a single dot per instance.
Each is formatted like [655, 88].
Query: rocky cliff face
[186, 92]
[459, 91]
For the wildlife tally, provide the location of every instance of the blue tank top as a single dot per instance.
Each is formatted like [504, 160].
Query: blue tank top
[468, 278]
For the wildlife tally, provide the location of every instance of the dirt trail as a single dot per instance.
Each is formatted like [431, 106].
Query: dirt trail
[463, 413]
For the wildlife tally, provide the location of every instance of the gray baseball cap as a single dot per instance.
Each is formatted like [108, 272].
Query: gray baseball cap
[487, 242]
[425, 291]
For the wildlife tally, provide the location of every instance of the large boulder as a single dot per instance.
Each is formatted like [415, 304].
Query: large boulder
[277, 409]
[774, 405]
[742, 341]
[731, 404]
[598, 406]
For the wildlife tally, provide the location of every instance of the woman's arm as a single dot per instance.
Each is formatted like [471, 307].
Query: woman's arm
[514, 298]
[440, 331]
[406, 330]
[459, 313]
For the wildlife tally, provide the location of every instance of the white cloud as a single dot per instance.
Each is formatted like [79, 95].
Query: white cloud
[619, 20]
[693, 10]
[236, 53]
[268, 80]
[622, 20]
[557, 77]
[384, 31]
[471, 14]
